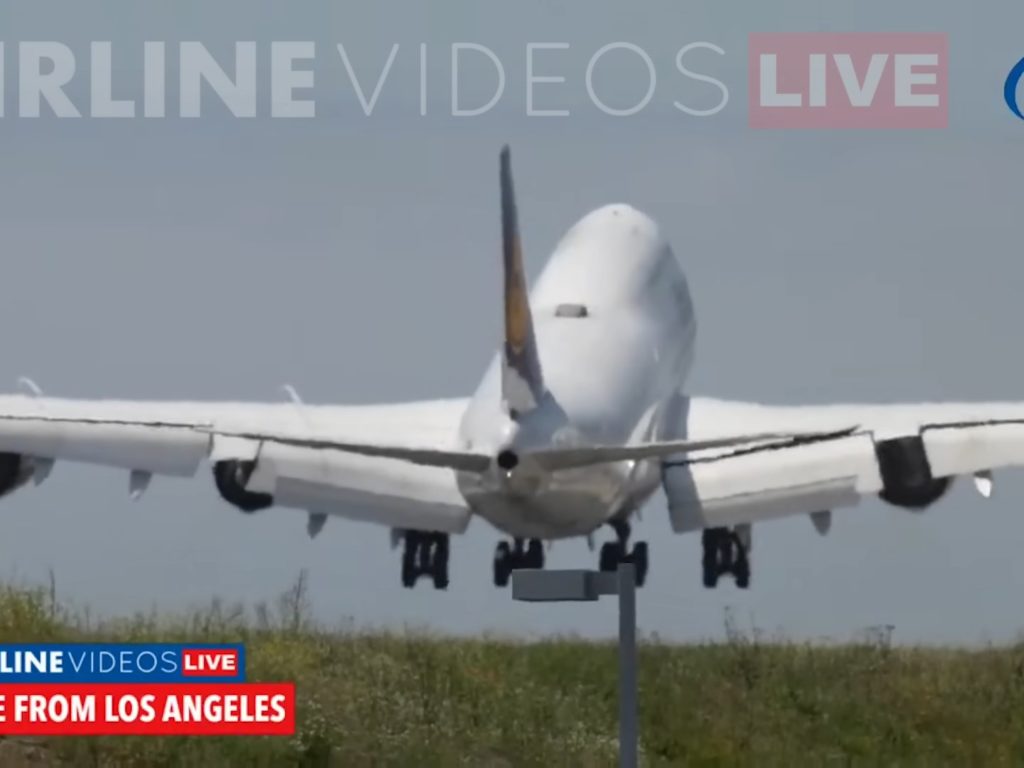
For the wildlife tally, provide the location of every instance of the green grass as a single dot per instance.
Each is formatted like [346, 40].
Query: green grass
[416, 700]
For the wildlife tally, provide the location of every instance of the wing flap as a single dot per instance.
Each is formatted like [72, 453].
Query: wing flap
[226, 448]
[553, 459]
[464, 461]
[548, 459]
[770, 482]
[745, 485]
[175, 451]
[966, 449]
[384, 491]
[410, 486]
[166, 450]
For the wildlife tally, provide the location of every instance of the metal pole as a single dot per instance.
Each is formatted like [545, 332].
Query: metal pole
[627, 666]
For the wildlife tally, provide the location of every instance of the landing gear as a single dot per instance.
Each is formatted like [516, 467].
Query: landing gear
[508, 558]
[726, 551]
[425, 554]
[615, 552]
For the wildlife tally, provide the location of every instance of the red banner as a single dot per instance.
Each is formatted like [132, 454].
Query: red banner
[107, 709]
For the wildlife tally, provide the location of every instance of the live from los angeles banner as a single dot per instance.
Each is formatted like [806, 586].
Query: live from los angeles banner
[137, 689]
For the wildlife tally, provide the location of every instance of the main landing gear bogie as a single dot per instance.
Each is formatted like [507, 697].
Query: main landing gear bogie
[425, 554]
[613, 553]
[516, 556]
[725, 553]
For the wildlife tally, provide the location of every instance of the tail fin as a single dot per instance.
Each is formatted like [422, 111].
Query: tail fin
[522, 384]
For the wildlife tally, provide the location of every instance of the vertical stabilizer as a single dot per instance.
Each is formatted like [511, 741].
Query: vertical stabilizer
[521, 382]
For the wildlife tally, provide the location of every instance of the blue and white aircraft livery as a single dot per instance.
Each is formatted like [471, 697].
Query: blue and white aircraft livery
[580, 419]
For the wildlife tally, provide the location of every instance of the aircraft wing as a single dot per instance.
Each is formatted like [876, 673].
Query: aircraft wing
[906, 454]
[175, 438]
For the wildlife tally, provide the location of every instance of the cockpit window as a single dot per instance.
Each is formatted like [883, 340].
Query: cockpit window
[571, 310]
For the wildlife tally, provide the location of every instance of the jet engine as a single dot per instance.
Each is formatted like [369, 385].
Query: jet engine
[15, 471]
[232, 477]
[906, 474]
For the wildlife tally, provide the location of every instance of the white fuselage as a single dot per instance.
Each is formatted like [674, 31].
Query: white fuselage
[615, 331]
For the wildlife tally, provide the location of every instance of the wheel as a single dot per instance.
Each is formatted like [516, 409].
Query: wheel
[639, 558]
[502, 564]
[409, 568]
[610, 556]
[709, 561]
[440, 549]
[440, 577]
[535, 554]
[439, 565]
[727, 551]
[424, 555]
[741, 572]
[710, 576]
[502, 573]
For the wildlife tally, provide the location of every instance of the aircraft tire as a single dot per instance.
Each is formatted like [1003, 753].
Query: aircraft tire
[439, 561]
[611, 553]
[502, 564]
[535, 554]
[640, 561]
[409, 574]
[742, 574]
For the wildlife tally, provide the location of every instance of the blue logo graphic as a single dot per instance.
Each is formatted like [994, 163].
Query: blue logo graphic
[1010, 89]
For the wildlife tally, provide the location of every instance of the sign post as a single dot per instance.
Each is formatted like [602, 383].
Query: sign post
[540, 586]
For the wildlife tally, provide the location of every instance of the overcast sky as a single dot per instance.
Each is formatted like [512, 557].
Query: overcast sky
[221, 258]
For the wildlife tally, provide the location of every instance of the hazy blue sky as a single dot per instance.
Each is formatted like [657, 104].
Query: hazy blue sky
[220, 258]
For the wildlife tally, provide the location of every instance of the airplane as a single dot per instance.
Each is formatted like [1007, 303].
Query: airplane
[580, 419]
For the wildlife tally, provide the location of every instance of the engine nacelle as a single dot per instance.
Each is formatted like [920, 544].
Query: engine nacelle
[231, 478]
[15, 471]
[906, 474]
